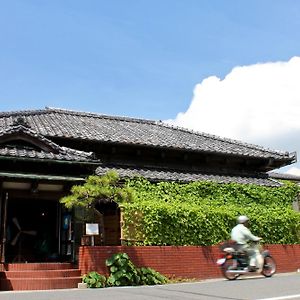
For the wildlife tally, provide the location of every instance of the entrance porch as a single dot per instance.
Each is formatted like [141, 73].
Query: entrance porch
[35, 227]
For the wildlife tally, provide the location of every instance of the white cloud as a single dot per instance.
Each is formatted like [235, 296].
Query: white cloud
[256, 103]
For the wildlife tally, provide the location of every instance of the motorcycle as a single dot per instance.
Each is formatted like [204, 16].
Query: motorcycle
[234, 262]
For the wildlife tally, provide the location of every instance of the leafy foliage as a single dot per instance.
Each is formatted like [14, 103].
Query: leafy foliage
[123, 272]
[94, 280]
[203, 213]
[97, 188]
[198, 213]
[151, 277]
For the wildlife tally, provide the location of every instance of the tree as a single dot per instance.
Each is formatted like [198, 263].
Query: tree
[97, 189]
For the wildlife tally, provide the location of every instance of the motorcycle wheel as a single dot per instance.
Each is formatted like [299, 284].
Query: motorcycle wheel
[269, 268]
[230, 264]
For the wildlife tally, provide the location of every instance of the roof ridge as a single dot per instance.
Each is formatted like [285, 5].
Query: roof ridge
[98, 115]
[48, 109]
[21, 112]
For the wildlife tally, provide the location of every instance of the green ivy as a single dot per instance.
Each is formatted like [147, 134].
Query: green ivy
[197, 213]
[203, 213]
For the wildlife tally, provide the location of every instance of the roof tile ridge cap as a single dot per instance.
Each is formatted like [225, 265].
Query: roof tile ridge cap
[98, 115]
[68, 111]
[31, 132]
[78, 152]
[84, 113]
[225, 139]
[18, 128]
[48, 141]
[22, 112]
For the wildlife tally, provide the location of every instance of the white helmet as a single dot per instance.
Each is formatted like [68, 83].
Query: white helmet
[242, 219]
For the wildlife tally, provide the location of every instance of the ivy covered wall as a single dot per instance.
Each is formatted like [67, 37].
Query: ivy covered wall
[203, 213]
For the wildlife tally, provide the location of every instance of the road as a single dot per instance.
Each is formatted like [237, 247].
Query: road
[279, 287]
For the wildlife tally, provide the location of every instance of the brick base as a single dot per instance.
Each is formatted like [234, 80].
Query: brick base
[182, 261]
[38, 276]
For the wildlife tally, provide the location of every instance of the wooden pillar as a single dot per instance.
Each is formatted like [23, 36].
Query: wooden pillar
[123, 242]
[3, 225]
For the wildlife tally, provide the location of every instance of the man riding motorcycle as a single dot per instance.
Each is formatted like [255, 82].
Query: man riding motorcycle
[242, 235]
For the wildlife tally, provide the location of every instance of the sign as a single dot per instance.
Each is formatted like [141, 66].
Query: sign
[92, 229]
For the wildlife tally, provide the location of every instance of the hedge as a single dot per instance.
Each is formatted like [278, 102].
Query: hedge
[203, 213]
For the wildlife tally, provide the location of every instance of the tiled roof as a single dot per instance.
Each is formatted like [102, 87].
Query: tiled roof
[56, 152]
[124, 130]
[169, 175]
[66, 154]
[284, 176]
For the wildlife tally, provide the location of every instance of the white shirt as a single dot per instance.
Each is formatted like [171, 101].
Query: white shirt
[241, 234]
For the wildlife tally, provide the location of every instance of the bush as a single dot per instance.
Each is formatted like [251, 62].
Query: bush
[94, 280]
[149, 276]
[123, 272]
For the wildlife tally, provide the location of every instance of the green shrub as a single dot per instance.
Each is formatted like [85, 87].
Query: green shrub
[123, 272]
[94, 280]
[149, 276]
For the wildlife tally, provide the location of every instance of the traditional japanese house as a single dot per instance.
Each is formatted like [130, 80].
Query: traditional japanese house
[44, 152]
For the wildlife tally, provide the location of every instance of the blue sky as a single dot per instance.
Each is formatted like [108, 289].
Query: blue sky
[141, 58]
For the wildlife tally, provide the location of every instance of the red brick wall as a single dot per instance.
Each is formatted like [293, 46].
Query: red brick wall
[287, 257]
[182, 261]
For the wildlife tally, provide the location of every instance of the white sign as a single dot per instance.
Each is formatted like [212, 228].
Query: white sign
[92, 229]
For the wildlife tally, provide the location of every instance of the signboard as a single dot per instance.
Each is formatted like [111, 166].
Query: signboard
[92, 229]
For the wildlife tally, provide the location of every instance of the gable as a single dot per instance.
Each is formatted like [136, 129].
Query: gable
[20, 141]
[20, 136]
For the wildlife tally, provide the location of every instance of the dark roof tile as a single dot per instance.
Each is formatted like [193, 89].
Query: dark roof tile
[172, 175]
[55, 152]
[110, 129]
[66, 155]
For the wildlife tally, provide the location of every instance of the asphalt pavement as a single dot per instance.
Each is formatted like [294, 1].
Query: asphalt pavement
[279, 287]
